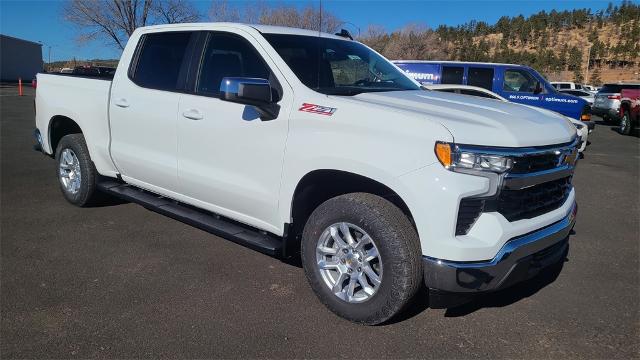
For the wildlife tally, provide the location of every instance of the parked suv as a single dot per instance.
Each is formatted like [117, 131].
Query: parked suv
[607, 100]
[313, 146]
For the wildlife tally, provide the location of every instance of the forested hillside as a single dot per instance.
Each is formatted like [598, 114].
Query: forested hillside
[558, 44]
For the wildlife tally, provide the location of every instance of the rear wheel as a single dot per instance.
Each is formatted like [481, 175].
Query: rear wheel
[76, 172]
[362, 257]
[625, 124]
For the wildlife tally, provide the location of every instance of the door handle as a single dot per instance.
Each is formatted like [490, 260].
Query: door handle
[121, 102]
[193, 114]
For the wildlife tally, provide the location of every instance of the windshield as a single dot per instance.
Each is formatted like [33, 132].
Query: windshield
[338, 67]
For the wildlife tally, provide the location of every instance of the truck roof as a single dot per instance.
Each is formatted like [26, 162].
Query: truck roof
[453, 62]
[265, 29]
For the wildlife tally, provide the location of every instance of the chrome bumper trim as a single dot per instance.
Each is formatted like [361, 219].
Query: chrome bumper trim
[511, 264]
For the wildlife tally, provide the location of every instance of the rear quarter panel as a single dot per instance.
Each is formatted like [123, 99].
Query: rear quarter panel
[631, 98]
[82, 100]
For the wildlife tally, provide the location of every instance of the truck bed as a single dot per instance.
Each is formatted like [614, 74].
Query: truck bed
[84, 99]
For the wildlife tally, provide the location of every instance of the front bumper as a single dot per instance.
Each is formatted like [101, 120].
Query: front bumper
[519, 259]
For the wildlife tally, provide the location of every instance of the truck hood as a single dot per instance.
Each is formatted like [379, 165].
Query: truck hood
[478, 121]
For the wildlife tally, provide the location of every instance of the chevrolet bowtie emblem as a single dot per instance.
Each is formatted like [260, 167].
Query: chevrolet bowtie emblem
[570, 158]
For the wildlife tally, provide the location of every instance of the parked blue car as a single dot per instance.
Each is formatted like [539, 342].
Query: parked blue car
[516, 83]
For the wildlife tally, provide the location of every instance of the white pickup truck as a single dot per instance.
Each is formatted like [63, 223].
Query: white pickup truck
[300, 144]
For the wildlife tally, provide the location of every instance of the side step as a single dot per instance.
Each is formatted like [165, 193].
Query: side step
[215, 224]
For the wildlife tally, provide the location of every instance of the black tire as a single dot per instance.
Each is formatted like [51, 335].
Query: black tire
[625, 124]
[86, 194]
[398, 246]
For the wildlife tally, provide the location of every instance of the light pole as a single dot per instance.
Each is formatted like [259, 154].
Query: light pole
[586, 75]
[49, 54]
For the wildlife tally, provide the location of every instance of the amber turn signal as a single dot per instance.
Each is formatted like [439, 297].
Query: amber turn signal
[443, 153]
[585, 117]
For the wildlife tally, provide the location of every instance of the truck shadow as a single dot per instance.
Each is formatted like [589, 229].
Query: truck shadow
[510, 295]
[634, 132]
[495, 299]
[106, 200]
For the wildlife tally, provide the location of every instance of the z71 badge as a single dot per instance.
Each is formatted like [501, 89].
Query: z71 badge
[317, 109]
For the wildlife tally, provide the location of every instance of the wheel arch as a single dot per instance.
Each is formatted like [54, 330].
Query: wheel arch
[625, 106]
[317, 186]
[60, 126]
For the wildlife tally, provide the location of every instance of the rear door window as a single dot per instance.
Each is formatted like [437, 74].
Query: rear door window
[565, 86]
[452, 75]
[480, 77]
[159, 60]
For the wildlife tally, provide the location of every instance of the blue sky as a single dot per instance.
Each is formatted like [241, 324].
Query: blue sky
[41, 21]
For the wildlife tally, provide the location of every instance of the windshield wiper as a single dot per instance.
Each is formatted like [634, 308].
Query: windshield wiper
[342, 91]
[352, 91]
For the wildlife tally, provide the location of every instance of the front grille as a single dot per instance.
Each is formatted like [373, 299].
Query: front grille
[517, 197]
[533, 201]
[468, 213]
[534, 163]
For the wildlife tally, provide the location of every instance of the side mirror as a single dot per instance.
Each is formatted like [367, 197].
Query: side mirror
[250, 91]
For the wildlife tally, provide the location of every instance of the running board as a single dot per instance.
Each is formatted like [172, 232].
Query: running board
[215, 224]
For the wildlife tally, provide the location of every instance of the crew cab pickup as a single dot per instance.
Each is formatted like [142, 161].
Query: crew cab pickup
[313, 146]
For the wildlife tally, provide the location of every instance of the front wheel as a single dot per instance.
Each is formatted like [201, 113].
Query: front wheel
[362, 256]
[625, 124]
[76, 172]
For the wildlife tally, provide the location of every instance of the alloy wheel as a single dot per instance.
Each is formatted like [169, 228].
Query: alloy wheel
[349, 262]
[69, 171]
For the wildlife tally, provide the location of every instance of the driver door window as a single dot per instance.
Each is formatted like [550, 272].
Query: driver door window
[516, 80]
[228, 55]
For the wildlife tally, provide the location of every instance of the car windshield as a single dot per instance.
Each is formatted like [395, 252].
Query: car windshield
[338, 67]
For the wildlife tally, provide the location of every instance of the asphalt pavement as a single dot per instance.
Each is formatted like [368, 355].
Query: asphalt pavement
[119, 281]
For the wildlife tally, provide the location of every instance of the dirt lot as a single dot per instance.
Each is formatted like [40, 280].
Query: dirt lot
[120, 281]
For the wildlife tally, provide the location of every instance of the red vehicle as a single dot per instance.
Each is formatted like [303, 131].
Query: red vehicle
[629, 110]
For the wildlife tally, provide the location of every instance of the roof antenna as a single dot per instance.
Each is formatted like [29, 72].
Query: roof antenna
[319, 54]
[320, 27]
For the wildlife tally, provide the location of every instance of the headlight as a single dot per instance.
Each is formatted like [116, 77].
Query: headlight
[579, 126]
[454, 159]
